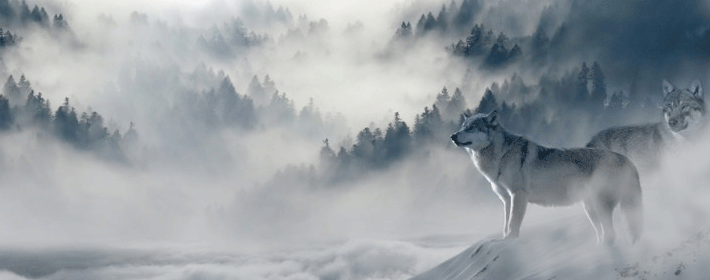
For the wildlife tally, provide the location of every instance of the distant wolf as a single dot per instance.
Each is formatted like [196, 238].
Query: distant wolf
[521, 171]
[683, 115]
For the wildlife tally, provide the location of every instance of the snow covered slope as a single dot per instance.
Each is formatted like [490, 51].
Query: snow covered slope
[565, 253]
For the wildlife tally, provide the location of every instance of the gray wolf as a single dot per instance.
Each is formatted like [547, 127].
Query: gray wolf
[521, 171]
[683, 115]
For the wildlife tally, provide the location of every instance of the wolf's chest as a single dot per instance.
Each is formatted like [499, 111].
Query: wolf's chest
[487, 167]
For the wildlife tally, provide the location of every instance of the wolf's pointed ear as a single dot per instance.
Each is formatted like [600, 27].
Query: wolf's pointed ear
[492, 118]
[696, 89]
[667, 88]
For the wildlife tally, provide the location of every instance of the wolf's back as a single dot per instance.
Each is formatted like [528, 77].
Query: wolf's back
[635, 142]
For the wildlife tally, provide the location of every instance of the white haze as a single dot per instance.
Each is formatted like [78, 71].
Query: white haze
[57, 196]
[191, 206]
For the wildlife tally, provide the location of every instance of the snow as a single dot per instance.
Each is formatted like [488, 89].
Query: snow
[561, 254]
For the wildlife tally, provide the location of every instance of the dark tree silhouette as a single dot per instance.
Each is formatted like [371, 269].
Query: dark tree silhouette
[487, 104]
[598, 94]
[6, 118]
[7, 39]
[36, 111]
[581, 92]
[404, 31]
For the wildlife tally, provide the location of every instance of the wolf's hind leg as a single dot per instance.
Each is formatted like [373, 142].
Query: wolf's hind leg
[606, 207]
[593, 215]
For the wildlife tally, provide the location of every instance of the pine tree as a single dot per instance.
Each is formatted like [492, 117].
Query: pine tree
[420, 25]
[474, 42]
[466, 14]
[66, 124]
[130, 137]
[403, 134]
[364, 145]
[7, 13]
[37, 110]
[487, 104]
[581, 93]
[617, 100]
[256, 91]
[598, 86]
[6, 117]
[443, 18]
[39, 16]
[18, 97]
[25, 14]
[499, 52]
[457, 103]
[397, 140]
[268, 85]
[10, 88]
[327, 156]
[442, 99]
[59, 23]
[515, 52]
[404, 31]
[430, 23]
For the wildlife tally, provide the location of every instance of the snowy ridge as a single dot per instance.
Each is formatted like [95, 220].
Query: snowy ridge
[571, 253]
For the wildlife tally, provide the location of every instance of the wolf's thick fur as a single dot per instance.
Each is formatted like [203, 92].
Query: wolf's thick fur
[683, 115]
[521, 171]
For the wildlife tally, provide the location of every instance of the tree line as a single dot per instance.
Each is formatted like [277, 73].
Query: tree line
[18, 14]
[496, 50]
[377, 148]
[8, 39]
[22, 108]
[567, 110]
[453, 19]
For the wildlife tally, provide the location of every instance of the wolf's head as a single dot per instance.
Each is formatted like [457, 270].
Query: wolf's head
[475, 132]
[683, 108]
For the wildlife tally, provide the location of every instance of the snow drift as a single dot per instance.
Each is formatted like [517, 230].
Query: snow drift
[562, 254]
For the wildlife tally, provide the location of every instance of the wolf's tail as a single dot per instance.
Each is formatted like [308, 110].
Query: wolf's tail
[632, 207]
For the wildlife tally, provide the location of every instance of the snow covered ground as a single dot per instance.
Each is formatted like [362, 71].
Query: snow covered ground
[561, 255]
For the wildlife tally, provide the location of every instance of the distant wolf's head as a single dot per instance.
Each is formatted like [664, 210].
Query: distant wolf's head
[683, 108]
[475, 132]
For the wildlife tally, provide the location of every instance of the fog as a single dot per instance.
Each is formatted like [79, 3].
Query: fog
[293, 140]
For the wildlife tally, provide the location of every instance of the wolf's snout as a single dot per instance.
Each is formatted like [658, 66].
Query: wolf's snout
[454, 138]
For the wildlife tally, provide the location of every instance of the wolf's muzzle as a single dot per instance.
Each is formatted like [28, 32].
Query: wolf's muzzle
[455, 139]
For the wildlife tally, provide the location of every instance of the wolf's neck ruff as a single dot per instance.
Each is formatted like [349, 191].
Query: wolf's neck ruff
[500, 144]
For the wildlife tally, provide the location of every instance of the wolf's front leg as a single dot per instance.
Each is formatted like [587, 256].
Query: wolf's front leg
[520, 203]
[507, 205]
